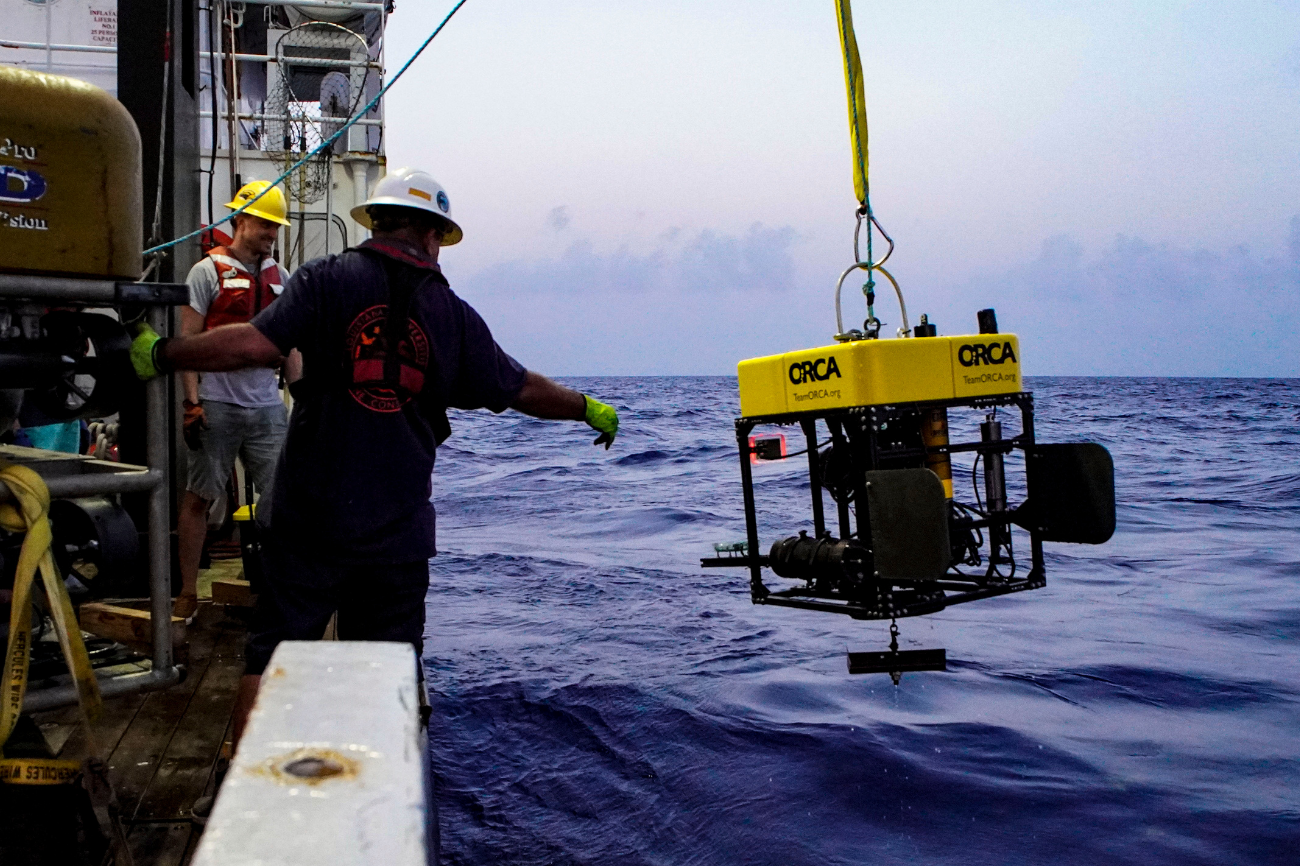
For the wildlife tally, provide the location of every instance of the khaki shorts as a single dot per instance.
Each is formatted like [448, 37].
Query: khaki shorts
[254, 435]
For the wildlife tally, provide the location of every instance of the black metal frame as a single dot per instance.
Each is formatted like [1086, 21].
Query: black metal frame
[857, 430]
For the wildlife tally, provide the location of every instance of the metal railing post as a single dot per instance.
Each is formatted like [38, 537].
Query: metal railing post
[157, 431]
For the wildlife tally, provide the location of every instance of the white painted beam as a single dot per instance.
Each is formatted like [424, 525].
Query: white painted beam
[331, 766]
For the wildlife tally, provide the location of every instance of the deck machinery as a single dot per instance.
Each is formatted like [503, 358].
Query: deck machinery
[902, 537]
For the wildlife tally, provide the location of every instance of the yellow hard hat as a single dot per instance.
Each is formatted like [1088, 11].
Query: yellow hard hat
[269, 207]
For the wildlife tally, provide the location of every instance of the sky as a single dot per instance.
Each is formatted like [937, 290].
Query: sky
[666, 188]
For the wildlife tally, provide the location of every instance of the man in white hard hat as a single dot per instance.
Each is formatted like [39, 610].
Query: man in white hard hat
[387, 348]
[237, 412]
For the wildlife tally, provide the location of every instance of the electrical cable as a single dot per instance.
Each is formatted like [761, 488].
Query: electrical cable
[804, 451]
[329, 142]
[156, 228]
[213, 27]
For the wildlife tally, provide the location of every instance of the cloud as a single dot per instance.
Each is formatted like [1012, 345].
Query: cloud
[1143, 308]
[707, 261]
[698, 302]
[558, 218]
[692, 303]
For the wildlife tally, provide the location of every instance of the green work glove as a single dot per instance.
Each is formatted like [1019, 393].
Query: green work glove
[143, 348]
[602, 417]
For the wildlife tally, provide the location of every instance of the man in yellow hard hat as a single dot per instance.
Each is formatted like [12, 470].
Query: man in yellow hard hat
[240, 412]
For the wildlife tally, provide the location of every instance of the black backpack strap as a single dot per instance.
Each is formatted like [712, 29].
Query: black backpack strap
[403, 281]
[397, 325]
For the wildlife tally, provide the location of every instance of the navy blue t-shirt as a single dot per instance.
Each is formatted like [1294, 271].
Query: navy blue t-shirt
[355, 475]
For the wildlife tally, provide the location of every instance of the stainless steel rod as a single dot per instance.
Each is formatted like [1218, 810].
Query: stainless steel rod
[246, 115]
[324, 4]
[157, 428]
[39, 700]
[298, 61]
[59, 46]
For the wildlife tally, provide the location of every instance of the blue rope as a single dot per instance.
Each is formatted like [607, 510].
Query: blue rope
[324, 144]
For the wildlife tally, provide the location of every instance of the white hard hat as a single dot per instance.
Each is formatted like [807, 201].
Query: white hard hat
[410, 187]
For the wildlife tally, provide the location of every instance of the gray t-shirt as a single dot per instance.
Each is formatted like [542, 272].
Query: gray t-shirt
[252, 388]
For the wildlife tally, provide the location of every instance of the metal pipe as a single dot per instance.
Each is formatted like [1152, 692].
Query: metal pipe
[297, 61]
[324, 4]
[232, 103]
[96, 484]
[59, 46]
[251, 115]
[41, 700]
[157, 427]
[814, 477]
[27, 366]
[756, 589]
[995, 490]
[31, 287]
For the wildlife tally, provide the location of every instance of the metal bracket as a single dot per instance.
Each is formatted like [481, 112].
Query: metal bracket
[168, 294]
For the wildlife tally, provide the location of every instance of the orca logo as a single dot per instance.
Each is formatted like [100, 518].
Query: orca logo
[972, 355]
[818, 371]
[444, 203]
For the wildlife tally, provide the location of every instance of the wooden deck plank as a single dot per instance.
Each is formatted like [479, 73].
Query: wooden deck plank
[118, 715]
[125, 624]
[135, 760]
[228, 633]
[236, 593]
[160, 843]
[183, 773]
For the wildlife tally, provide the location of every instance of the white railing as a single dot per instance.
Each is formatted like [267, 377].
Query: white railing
[57, 46]
[249, 115]
[298, 61]
[325, 4]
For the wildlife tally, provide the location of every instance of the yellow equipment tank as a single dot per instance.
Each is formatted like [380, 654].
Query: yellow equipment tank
[70, 179]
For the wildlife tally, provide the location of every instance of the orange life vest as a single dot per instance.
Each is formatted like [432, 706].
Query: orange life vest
[241, 295]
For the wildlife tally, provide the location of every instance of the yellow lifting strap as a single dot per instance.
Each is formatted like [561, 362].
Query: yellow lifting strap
[857, 101]
[29, 512]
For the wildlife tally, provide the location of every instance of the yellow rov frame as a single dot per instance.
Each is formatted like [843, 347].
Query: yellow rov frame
[904, 537]
[874, 414]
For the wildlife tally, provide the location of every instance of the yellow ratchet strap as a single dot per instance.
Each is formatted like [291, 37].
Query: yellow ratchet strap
[29, 512]
[38, 771]
[857, 101]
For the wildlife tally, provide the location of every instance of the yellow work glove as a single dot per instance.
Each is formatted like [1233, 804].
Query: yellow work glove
[144, 349]
[602, 417]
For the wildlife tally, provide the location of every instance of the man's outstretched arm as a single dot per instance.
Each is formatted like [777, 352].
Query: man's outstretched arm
[229, 347]
[542, 398]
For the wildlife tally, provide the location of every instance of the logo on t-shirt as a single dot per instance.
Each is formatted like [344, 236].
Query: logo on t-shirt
[365, 343]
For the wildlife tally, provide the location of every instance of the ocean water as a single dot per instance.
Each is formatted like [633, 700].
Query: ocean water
[601, 699]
